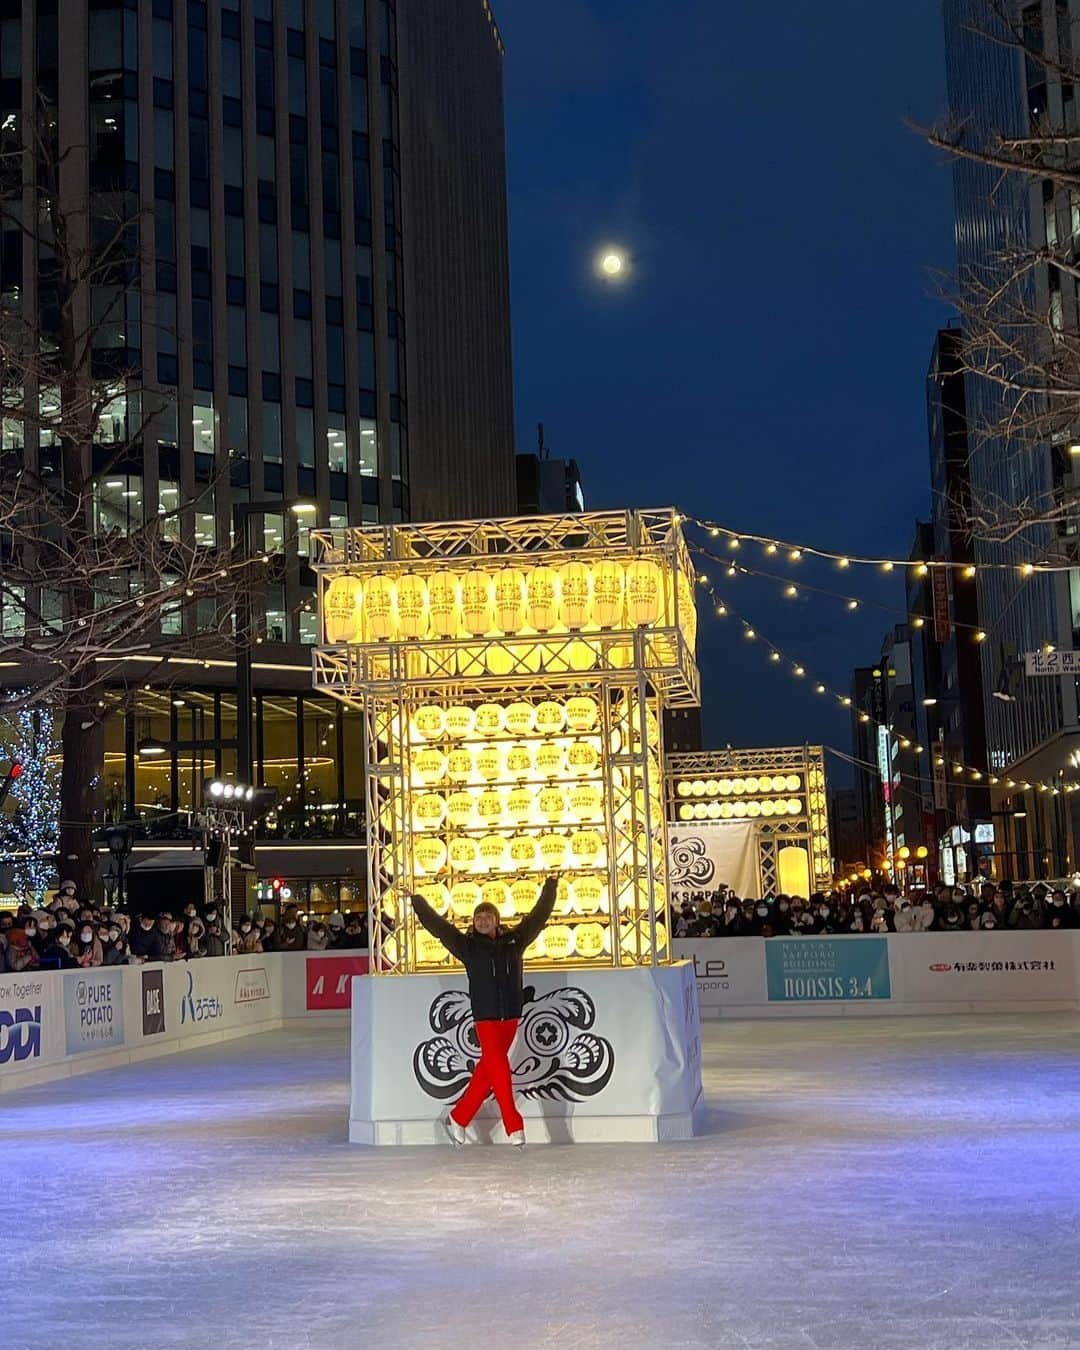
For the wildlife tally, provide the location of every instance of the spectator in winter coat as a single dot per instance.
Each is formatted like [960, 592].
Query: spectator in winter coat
[146, 939]
[213, 941]
[20, 954]
[1059, 909]
[318, 937]
[114, 948]
[58, 955]
[87, 948]
[249, 937]
[354, 937]
[1026, 913]
[292, 936]
[952, 918]
[196, 931]
[781, 916]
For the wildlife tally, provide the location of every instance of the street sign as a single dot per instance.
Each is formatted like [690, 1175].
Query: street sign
[939, 578]
[1052, 663]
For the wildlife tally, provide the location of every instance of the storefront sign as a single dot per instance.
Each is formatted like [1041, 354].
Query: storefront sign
[942, 618]
[328, 980]
[1052, 663]
[824, 970]
[93, 1010]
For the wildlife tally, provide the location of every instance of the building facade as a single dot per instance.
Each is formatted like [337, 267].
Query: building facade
[1032, 725]
[316, 309]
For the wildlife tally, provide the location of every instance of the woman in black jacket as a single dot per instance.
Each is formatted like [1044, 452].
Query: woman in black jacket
[493, 959]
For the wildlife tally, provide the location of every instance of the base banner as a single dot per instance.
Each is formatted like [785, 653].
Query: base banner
[701, 858]
[996, 968]
[328, 980]
[827, 970]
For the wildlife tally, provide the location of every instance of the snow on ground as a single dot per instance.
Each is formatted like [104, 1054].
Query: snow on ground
[883, 1184]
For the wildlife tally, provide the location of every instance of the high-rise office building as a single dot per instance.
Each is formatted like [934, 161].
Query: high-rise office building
[1032, 725]
[317, 307]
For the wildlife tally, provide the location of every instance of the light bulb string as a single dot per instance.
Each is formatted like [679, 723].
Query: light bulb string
[792, 590]
[796, 552]
[722, 609]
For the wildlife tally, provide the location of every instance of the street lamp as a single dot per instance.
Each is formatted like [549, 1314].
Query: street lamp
[244, 515]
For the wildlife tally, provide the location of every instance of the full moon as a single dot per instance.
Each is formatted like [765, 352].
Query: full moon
[612, 263]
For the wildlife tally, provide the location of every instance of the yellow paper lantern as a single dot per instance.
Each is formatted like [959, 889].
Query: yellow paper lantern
[497, 893]
[460, 721]
[587, 847]
[509, 601]
[464, 897]
[582, 713]
[412, 607]
[520, 804]
[524, 895]
[429, 854]
[494, 851]
[588, 894]
[380, 608]
[489, 806]
[523, 852]
[558, 941]
[520, 718]
[429, 721]
[459, 765]
[460, 809]
[342, 610]
[518, 762]
[768, 808]
[542, 598]
[552, 803]
[464, 853]
[686, 811]
[582, 759]
[575, 587]
[553, 850]
[477, 603]
[444, 604]
[535, 950]
[549, 760]
[490, 719]
[587, 801]
[489, 762]
[429, 811]
[644, 592]
[607, 598]
[792, 783]
[550, 717]
[437, 894]
[429, 950]
[429, 766]
[589, 940]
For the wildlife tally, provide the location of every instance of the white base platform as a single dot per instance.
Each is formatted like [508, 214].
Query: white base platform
[601, 1056]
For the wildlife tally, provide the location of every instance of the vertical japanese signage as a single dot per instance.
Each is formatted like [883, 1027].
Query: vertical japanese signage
[939, 578]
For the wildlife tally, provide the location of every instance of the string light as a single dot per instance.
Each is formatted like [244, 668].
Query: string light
[29, 837]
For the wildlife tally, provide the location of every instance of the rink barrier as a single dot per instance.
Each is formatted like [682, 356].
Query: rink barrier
[895, 974]
[55, 1024]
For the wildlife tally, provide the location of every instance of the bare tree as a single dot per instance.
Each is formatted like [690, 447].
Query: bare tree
[85, 587]
[1017, 298]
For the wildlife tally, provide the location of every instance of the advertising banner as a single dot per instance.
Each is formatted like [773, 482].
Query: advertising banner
[153, 1002]
[252, 985]
[703, 857]
[827, 970]
[200, 1005]
[730, 972]
[93, 1009]
[25, 1015]
[1013, 967]
[328, 980]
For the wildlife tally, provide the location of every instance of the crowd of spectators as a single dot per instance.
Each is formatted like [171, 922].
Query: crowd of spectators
[982, 907]
[65, 935]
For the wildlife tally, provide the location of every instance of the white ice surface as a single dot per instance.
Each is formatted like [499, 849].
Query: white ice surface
[864, 1185]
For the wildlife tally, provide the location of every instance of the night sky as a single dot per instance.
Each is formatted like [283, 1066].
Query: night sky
[766, 363]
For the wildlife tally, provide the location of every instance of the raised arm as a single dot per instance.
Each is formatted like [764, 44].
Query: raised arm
[451, 938]
[529, 929]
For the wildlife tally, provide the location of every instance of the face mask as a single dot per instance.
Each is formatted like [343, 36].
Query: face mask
[30, 930]
[1058, 904]
[114, 933]
[290, 926]
[783, 907]
[64, 939]
[762, 910]
[989, 925]
[824, 911]
[86, 935]
[211, 914]
[245, 928]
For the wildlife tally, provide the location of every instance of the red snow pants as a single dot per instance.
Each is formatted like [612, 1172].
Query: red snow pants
[492, 1074]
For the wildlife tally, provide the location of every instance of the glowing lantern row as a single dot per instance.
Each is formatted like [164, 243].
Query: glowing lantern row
[505, 763]
[742, 810]
[727, 787]
[573, 597]
[431, 721]
[465, 808]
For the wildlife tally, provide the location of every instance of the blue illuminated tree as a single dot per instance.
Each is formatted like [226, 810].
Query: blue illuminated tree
[30, 822]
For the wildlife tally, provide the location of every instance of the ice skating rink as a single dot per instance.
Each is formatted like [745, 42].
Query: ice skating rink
[865, 1185]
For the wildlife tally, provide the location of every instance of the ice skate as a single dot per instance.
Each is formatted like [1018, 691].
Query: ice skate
[517, 1138]
[454, 1132]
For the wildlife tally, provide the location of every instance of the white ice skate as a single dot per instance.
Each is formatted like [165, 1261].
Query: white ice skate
[517, 1138]
[454, 1132]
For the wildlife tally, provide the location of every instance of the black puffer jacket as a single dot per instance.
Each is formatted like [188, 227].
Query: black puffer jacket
[493, 965]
